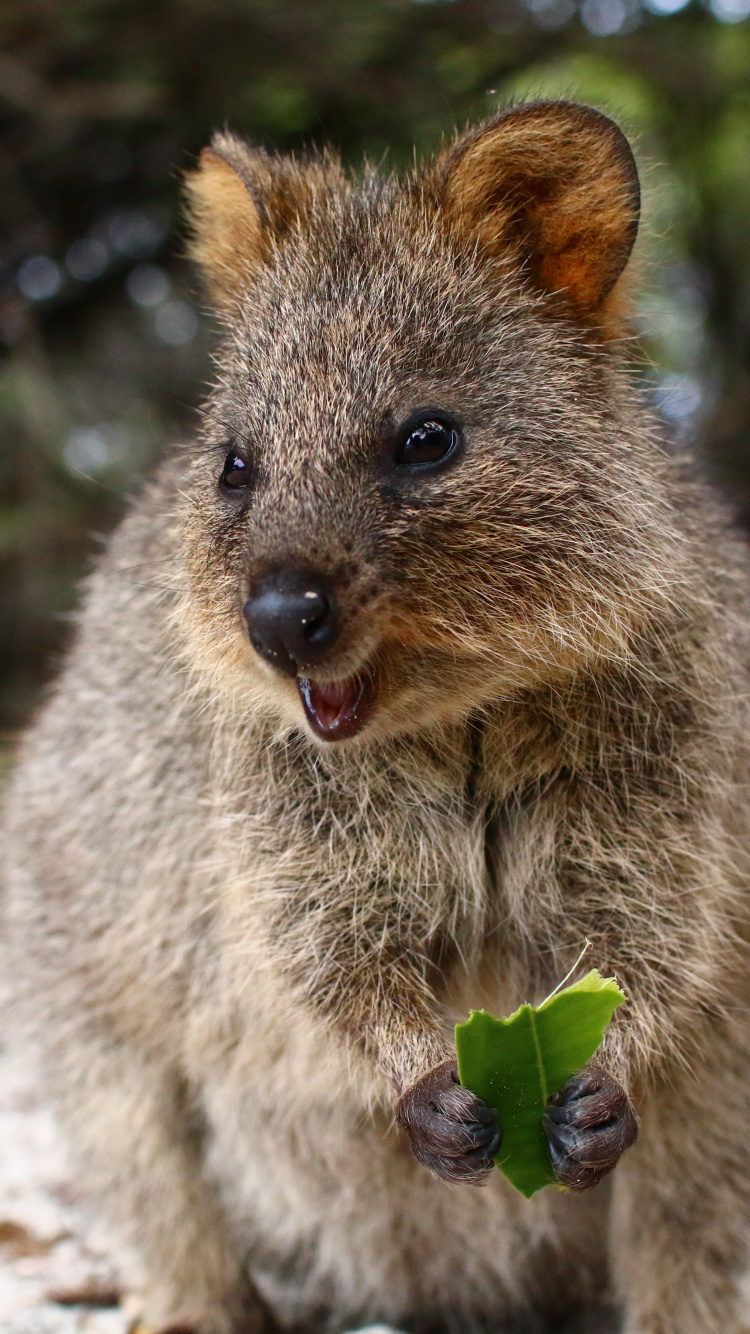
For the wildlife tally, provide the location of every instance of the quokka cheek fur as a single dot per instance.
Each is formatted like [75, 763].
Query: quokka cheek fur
[436, 665]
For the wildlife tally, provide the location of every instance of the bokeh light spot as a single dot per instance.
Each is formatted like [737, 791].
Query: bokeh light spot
[91, 450]
[665, 6]
[678, 397]
[603, 18]
[176, 323]
[86, 259]
[132, 232]
[39, 278]
[148, 285]
[730, 11]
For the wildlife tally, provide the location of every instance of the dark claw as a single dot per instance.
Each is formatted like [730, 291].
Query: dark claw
[589, 1124]
[450, 1130]
[561, 1138]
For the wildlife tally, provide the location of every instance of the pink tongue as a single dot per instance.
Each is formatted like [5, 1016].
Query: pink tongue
[328, 702]
[338, 710]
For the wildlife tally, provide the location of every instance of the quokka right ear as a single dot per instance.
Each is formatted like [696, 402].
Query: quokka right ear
[555, 184]
[240, 200]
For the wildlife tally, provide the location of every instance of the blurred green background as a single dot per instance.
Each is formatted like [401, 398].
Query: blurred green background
[105, 349]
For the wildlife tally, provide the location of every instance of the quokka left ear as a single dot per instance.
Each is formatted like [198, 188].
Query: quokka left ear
[554, 183]
[243, 201]
[226, 239]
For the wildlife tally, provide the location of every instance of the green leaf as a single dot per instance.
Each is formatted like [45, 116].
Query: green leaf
[517, 1064]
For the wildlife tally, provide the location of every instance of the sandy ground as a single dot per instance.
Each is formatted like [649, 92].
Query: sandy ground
[57, 1274]
[48, 1257]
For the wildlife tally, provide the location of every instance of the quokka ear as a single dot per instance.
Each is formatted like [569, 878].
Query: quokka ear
[556, 184]
[240, 200]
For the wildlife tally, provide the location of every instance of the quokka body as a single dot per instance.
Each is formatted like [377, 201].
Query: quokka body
[425, 662]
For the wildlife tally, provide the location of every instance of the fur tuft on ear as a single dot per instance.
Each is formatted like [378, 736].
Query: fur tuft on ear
[240, 200]
[555, 184]
[226, 230]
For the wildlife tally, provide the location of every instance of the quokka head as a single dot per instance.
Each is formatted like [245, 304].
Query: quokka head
[421, 483]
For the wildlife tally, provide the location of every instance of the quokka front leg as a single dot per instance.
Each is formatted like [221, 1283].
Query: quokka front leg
[450, 1130]
[367, 979]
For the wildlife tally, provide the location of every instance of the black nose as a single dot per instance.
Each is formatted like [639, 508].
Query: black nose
[292, 618]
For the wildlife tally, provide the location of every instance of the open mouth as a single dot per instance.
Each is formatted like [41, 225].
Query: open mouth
[338, 709]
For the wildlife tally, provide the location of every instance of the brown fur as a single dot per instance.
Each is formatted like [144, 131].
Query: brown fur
[239, 201]
[240, 945]
[558, 183]
[228, 231]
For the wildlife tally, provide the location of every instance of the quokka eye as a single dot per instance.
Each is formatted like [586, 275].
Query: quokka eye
[427, 441]
[235, 474]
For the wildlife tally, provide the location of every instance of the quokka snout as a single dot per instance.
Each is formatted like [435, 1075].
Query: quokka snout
[426, 662]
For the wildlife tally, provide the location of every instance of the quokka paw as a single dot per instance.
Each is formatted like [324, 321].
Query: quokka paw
[450, 1130]
[589, 1124]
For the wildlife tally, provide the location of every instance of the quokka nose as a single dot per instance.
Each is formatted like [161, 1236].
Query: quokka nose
[293, 619]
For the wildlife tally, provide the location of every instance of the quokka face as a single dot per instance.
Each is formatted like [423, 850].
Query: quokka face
[416, 490]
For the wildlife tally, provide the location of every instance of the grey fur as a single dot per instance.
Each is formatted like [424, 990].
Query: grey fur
[238, 945]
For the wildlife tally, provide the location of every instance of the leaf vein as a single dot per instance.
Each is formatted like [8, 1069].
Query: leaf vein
[539, 1061]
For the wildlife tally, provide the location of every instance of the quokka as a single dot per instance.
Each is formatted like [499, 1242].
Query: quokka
[425, 662]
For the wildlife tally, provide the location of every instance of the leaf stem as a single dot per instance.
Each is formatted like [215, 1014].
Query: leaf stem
[570, 972]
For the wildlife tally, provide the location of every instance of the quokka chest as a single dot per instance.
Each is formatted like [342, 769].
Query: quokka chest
[411, 848]
[422, 804]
